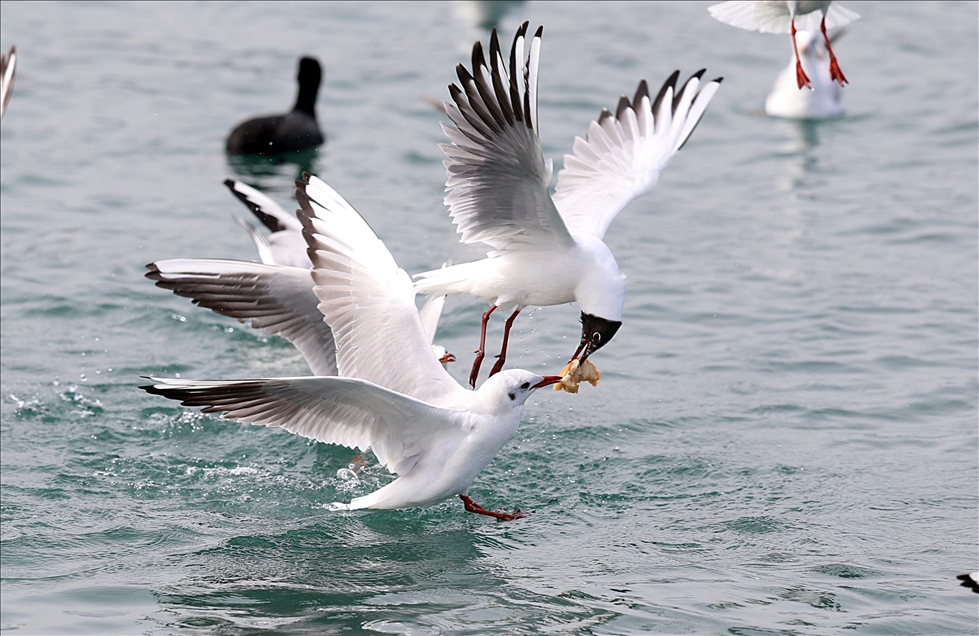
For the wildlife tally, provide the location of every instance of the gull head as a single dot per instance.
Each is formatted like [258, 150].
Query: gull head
[595, 334]
[513, 386]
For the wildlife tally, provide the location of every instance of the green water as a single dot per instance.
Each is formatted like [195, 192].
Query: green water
[784, 440]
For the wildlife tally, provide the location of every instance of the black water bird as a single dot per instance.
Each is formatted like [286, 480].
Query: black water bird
[288, 132]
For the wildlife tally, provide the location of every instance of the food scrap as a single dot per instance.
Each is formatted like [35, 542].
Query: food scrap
[576, 372]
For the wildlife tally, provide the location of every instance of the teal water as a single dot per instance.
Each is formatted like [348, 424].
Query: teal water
[784, 440]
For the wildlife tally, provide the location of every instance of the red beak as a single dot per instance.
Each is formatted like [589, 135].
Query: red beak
[448, 357]
[548, 379]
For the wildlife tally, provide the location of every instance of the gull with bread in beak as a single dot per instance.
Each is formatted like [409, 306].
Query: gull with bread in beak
[549, 250]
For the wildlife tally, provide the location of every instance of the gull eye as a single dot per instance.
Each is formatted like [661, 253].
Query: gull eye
[596, 337]
[525, 386]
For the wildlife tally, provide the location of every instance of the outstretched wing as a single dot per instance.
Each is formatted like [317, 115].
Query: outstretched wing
[775, 17]
[8, 67]
[622, 155]
[276, 299]
[367, 300]
[343, 411]
[271, 214]
[286, 245]
[498, 182]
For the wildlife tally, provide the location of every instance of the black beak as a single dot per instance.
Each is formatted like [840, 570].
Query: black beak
[595, 333]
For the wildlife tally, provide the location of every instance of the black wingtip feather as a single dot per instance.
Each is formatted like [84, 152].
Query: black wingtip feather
[269, 221]
[641, 91]
[670, 82]
[478, 59]
[604, 115]
[540, 31]
[623, 106]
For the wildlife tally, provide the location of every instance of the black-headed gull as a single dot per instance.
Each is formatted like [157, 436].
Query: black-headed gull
[394, 397]
[286, 132]
[549, 251]
[8, 67]
[786, 17]
[825, 100]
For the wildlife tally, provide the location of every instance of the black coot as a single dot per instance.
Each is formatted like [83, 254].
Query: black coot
[295, 130]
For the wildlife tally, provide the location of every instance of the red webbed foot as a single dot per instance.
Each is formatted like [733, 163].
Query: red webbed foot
[472, 506]
[800, 76]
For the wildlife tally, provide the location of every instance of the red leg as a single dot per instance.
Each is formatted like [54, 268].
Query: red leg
[800, 75]
[834, 68]
[481, 352]
[500, 359]
[472, 506]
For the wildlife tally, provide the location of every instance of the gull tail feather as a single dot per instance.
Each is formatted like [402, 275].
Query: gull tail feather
[447, 281]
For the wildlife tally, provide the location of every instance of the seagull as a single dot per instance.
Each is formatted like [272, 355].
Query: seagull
[391, 396]
[549, 250]
[8, 65]
[782, 17]
[295, 130]
[824, 101]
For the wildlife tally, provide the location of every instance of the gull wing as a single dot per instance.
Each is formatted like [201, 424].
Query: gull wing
[344, 411]
[774, 17]
[367, 300]
[271, 214]
[276, 299]
[261, 243]
[622, 155]
[8, 65]
[286, 245]
[498, 182]
[430, 313]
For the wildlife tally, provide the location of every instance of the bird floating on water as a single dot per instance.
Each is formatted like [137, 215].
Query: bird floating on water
[393, 396]
[787, 17]
[824, 101]
[286, 132]
[549, 250]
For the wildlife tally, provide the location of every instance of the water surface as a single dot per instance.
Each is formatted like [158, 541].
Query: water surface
[784, 440]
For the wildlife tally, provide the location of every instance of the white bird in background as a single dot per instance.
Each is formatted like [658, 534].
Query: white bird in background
[393, 398]
[549, 251]
[786, 17]
[8, 66]
[825, 100]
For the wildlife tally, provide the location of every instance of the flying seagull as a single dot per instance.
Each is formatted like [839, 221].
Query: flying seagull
[549, 250]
